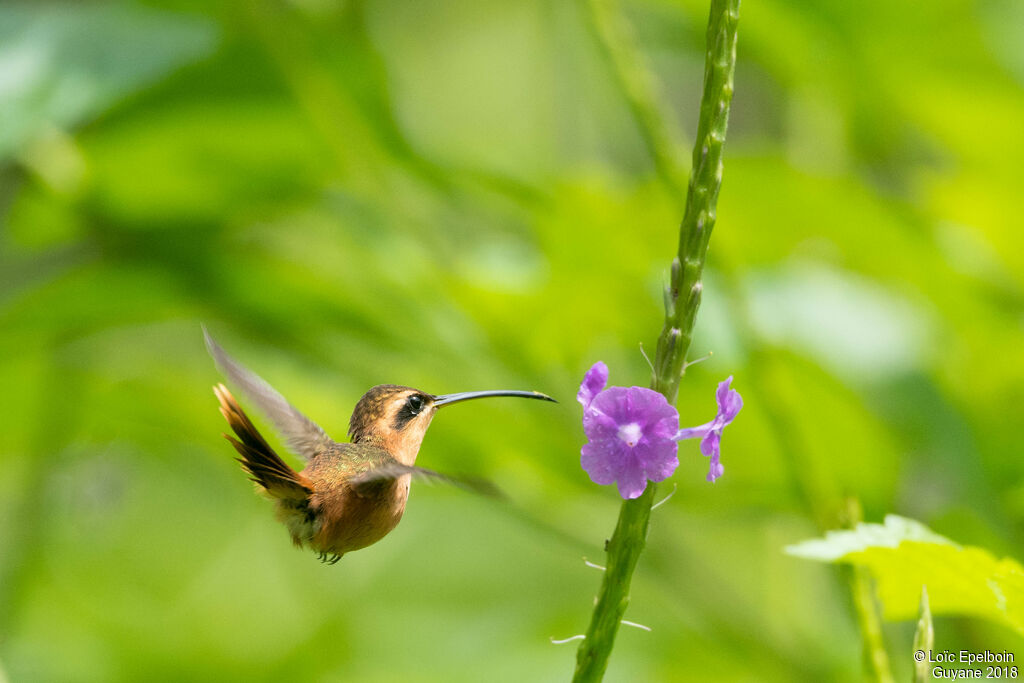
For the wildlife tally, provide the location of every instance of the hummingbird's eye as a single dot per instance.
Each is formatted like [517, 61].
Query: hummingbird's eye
[414, 403]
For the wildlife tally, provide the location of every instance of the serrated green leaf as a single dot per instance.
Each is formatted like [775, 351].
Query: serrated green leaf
[903, 555]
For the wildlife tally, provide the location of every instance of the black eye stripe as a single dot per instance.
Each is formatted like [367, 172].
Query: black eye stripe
[410, 409]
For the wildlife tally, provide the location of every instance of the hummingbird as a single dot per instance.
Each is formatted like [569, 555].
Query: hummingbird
[349, 495]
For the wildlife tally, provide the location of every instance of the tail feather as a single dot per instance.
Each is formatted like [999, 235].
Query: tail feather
[258, 459]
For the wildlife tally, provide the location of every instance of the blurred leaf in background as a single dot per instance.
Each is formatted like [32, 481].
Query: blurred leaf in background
[453, 196]
[904, 555]
[64, 64]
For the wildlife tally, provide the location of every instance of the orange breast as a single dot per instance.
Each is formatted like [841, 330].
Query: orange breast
[350, 521]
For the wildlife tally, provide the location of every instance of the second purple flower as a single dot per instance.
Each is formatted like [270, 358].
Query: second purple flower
[632, 432]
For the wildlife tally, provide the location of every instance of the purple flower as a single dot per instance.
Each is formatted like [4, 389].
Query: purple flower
[710, 434]
[632, 432]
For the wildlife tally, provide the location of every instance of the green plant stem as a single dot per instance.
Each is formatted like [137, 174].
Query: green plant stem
[875, 655]
[862, 589]
[682, 297]
[924, 639]
[623, 550]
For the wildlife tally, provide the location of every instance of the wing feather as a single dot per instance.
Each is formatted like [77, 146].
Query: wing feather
[303, 436]
[394, 469]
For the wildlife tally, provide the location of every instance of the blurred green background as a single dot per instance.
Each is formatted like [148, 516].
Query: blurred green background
[453, 195]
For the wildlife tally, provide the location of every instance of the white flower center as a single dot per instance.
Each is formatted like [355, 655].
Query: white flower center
[630, 433]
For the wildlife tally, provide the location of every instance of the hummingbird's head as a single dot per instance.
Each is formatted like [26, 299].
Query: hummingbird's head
[397, 417]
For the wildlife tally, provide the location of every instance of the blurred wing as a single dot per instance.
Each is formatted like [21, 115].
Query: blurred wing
[259, 459]
[393, 469]
[303, 436]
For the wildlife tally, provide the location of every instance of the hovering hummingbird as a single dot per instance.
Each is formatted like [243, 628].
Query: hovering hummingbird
[350, 495]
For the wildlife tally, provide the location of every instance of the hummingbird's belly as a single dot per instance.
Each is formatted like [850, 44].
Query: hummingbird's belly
[351, 522]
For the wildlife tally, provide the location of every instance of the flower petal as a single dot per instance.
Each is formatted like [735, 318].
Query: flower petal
[709, 445]
[666, 428]
[729, 402]
[596, 460]
[614, 403]
[658, 418]
[715, 470]
[694, 432]
[632, 482]
[644, 406]
[598, 426]
[593, 382]
[658, 457]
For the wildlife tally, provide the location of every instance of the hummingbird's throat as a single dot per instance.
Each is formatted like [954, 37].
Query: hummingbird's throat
[404, 445]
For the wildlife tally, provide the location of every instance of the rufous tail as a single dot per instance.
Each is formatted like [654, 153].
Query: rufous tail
[258, 459]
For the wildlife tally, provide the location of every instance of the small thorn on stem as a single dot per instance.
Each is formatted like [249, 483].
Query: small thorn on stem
[563, 641]
[646, 358]
[636, 625]
[591, 564]
[665, 499]
[699, 360]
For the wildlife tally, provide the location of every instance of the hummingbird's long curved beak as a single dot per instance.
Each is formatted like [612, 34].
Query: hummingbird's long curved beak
[448, 399]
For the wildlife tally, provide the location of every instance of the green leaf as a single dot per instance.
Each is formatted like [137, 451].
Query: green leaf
[904, 555]
[65, 64]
